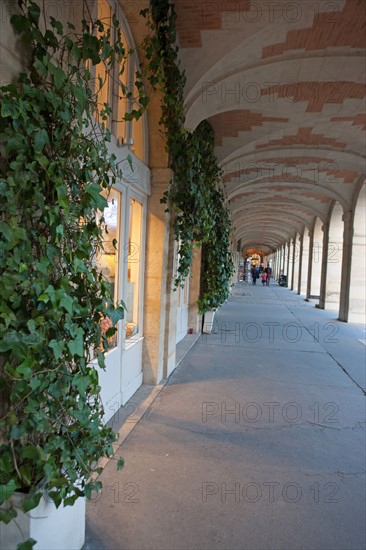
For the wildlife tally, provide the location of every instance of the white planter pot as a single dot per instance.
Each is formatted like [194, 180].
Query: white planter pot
[208, 321]
[53, 528]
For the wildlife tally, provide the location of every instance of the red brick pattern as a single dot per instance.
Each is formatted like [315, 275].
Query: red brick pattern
[357, 120]
[283, 185]
[196, 16]
[230, 123]
[329, 29]
[317, 94]
[303, 137]
[322, 170]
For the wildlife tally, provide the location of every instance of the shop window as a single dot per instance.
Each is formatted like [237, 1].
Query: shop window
[118, 88]
[107, 258]
[133, 269]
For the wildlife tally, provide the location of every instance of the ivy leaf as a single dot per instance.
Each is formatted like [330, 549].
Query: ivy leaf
[7, 515]
[27, 545]
[19, 23]
[58, 75]
[67, 303]
[94, 190]
[101, 361]
[76, 346]
[115, 313]
[41, 139]
[7, 490]
[31, 502]
[34, 11]
[57, 25]
[57, 347]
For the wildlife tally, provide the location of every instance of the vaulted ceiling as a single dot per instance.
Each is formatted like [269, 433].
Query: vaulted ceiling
[283, 85]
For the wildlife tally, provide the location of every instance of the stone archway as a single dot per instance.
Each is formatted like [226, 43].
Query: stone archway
[357, 299]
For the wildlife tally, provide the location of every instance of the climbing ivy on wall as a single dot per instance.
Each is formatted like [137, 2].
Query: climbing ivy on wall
[55, 171]
[195, 197]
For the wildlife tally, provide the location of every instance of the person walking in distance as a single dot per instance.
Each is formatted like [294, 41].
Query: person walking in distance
[268, 272]
[254, 274]
[264, 277]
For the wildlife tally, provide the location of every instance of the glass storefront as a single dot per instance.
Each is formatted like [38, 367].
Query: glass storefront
[107, 258]
[133, 269]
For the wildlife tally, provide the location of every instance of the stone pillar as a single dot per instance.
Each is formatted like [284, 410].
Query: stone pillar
[279, 263]
[334, 258]
[346, 266]
[324, 266]
[274, 271]
[310, 263]
[288, 263]
[160, 302]
[304, 263]
[301, 241]
[194, 319]
[284, 258]
[316, 259]
[294, 259]
[357, 299]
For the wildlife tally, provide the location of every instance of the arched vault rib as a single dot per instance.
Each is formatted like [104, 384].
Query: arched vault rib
[251, 240]
[263, 232]
[263, 203]
[296, 219]
[298, 145]
[287, 227]
[345, 160]
[307, 192]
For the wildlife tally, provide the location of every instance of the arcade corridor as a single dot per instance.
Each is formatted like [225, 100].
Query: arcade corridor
[257, 441]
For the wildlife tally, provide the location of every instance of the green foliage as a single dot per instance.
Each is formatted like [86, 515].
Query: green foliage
[55, 171]
[194, 197]
[217, 266]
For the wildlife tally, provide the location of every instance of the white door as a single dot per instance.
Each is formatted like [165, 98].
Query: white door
[108, 261]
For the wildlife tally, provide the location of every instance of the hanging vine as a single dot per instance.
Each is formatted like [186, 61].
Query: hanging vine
[195, 197]
[55, 172]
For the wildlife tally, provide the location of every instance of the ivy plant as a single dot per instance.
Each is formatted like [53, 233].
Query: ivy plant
[195, 197]
[55, 174]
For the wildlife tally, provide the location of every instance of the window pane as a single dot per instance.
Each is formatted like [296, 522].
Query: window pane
[107, 259]
[122, 100]
[133, 273]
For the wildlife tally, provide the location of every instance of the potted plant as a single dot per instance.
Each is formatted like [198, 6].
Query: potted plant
[55, 172]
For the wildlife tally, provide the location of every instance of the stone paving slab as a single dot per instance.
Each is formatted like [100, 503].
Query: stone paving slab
[248, 446]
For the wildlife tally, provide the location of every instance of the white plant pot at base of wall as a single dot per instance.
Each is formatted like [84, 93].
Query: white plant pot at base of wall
[208, 321]
[53, 528]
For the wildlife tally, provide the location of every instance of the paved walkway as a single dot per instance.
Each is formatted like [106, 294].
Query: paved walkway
[257, 441]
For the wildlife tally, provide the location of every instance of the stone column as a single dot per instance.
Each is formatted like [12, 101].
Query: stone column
[294, 259]
[346, 266]
[284, 258]
[310, 263]
[279, 263]
[160, 302]
[288, 263]
[274, 271]
[334, 258]
[301, 241]
[324, 268]
[304, 263]
[317, 255]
